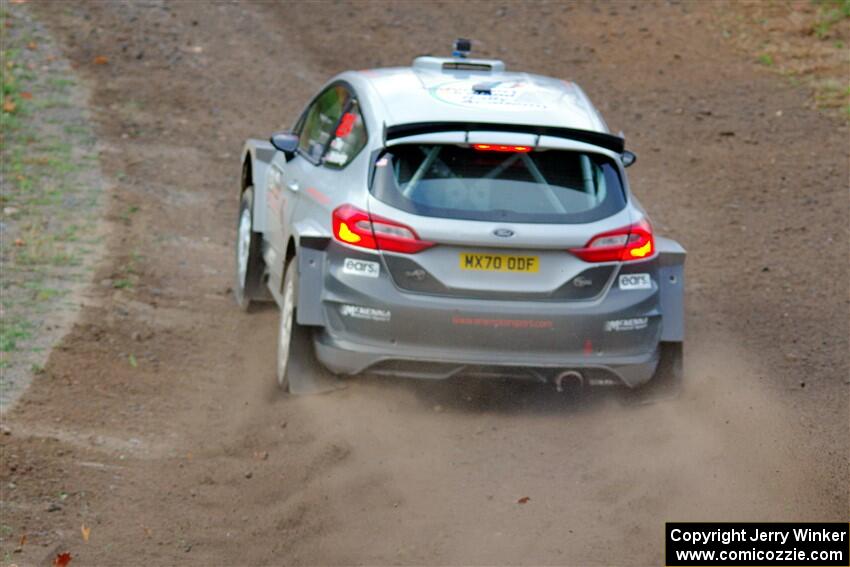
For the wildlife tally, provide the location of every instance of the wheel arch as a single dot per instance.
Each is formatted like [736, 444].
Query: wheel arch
[247, 177]
[671, 281]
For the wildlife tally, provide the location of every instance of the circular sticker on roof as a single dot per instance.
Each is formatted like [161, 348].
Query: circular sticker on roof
[493, 95]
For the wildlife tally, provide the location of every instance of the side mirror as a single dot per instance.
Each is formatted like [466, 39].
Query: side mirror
[628, 158]
[287, 142]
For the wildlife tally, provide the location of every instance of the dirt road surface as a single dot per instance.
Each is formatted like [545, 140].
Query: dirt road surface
[191, 455]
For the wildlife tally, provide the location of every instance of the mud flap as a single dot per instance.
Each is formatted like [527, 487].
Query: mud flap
[306, 373]
[671, 276]
[311, 266]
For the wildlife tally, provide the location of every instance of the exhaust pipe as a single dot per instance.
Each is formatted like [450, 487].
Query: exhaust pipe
[568, 376]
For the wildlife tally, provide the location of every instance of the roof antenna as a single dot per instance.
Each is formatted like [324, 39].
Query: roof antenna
[461, 48]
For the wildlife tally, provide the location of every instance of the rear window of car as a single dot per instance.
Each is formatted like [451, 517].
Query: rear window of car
[539, 186]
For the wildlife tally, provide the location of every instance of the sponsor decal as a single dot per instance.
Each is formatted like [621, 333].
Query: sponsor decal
[633, 324]
[635, 281]
[274, 177]
[496, 323]
[356, 267]
[318, 195]
[498, 95]
[581, 281]
[273, 199]
[368, 313]
[273, 185]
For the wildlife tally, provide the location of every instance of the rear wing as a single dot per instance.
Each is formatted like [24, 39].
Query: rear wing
[608, 141]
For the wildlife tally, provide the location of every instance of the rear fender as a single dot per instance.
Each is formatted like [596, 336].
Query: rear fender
[671, 281]
[260, 152]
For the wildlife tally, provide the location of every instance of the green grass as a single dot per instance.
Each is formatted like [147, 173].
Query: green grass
[766, 59]
[51, 228]
[60, 84]
[12, 331]
[830, 12]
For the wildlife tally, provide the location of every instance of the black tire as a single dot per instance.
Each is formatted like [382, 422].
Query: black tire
[290, 342]
[670, 374]
[249, 277]
[668, 378]
[299, 372]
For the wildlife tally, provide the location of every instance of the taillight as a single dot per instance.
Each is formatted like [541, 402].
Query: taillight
[501, 148]
[355, 227]
[625, 244]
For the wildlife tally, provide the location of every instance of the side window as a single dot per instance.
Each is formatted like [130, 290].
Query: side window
[321, 120]
[349, 138]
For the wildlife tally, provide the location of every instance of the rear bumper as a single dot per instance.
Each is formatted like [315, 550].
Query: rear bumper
[367, 323]
[343, 357]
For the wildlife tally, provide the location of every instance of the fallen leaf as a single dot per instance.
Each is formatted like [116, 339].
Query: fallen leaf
[25, 95]
[19, 242]
[9, 105]
[85, 531]
[62, 559]
[133, 362]
[148, 532]
[101, 60]
[523, 500]
[32, 45]
[21, 544]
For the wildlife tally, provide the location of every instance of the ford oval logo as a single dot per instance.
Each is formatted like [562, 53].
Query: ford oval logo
[503, 232]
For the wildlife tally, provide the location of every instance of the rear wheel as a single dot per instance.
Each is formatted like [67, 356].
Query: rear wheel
[668, 378]
[249, 259]
[670, 372]
[287, 324]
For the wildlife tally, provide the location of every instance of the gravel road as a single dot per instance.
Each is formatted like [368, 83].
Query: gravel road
[191, 455]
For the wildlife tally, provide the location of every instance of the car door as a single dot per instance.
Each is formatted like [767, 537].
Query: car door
[287, 179]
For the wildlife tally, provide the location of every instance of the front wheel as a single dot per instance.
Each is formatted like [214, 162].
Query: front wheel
[249, 259]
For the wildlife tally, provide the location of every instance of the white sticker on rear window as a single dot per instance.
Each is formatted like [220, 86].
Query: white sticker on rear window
[633, 324]
[635, 281]
[369, 313]
[356, 267]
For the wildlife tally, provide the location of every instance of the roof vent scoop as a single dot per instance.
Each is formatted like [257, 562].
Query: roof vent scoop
[459, 61]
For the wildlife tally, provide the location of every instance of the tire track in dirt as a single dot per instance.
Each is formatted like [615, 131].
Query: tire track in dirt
[392, 471]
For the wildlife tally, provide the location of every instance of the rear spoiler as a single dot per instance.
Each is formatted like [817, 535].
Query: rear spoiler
[608, 141]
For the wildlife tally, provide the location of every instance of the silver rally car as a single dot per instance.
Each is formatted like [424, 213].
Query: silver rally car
[453, 218]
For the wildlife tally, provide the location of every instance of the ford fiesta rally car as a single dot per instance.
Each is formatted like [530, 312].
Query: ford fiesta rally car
[453, 218]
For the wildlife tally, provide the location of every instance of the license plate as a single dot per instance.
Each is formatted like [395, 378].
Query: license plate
[499, 263]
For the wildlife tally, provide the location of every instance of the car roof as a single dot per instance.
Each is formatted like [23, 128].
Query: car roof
[437, 89]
